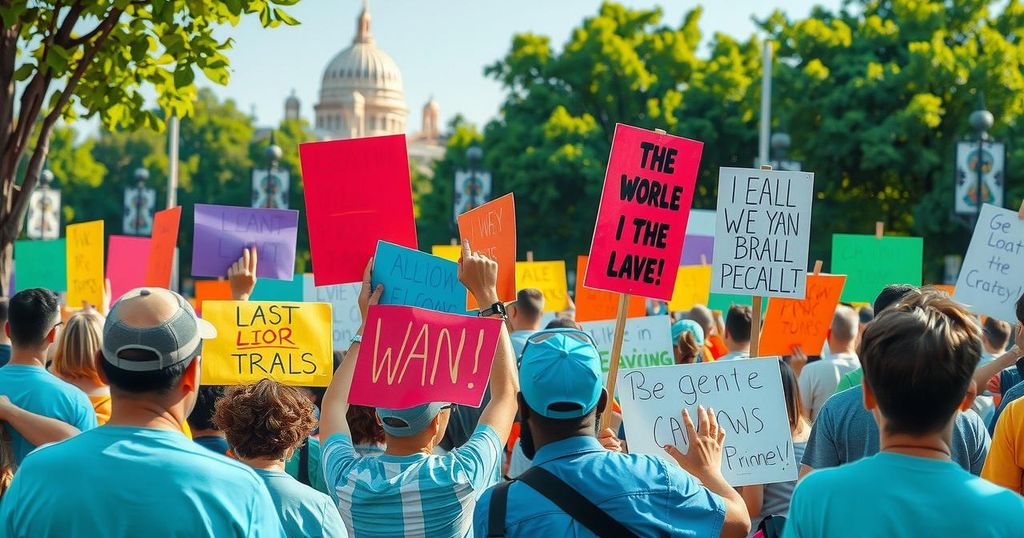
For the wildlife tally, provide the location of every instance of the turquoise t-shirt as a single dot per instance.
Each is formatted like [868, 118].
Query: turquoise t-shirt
[894, 495]
[304, 511]
[35, 390]
[120, 482]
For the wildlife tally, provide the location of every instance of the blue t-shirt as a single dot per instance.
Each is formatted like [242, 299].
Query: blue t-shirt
[5, 354]
[303, 510]
[644, 493]
[416, 495]
[120, 481]
[1009, 396]
[519, 339]
[37, 391]
[213, 443]
[894, 495]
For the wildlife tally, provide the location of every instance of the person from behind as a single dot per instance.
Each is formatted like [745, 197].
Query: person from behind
[687, 341]
[524, 316]
[818, 379]
[34, 316]
[200, 421]
[75, 359]
[737, 333]
[918, 359]
[265, 422]
[1004, 369]
[714, 346]
[886, 298]
[142, 474]
[995, 337]
[624, 494]
[5, 341]
[375, 494]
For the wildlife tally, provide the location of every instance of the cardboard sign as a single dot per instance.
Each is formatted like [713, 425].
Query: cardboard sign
[802, 322]
[549, 278]
[491, 230]
[127, 260]
[282, 341]
[414, 278]
[693, 287]
[641, 222]
[41, 264]
[344, 301]
[763, 232]
[872, 264]
[451, 253]
[357, 192]
[222, 232]
[646, 342]
[411, 356]
[85, 264]
[160, 261]
[278, 290]
[700, 238]
[211, 290]
[597, 305]
[989, 281]
[748, 401]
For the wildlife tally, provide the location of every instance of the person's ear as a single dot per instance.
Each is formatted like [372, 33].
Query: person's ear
[377, 418]
[972, 393]
[99, 367]
[7, 329]
[52, 335]
[190, 380]
[602, 402]
[869, 397]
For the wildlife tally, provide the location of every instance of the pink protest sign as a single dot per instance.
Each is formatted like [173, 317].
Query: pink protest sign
[641, 224]
[127, 260]
[411, 356]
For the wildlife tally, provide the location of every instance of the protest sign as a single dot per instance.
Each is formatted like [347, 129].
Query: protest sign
[278, 290]
[989, 281]
[693, 285]
[283, 341]
[763, 232]
[872, 263]
[127, 260]
[549, 278]
[749, 404]
[646, 342]
[160, 261]
[411, 356]
[491, 230]
[414, 278]
[641, 222]
[41, 264]
[85, 264]
[597, 305]
[448, 252]
[802, 322]
[222, 232]
[357, 192]
[699, 247]
[344, 300]
[211, 290]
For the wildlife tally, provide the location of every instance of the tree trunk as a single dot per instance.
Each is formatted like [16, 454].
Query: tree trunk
[6, 266]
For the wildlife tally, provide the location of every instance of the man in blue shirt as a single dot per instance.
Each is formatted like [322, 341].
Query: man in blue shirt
[918, 359]
[138, 475]
[524, 316]
[562, 394]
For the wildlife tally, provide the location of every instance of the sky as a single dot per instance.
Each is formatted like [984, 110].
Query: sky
[441, 46]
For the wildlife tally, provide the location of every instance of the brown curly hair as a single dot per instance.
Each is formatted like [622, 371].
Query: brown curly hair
[264, 419]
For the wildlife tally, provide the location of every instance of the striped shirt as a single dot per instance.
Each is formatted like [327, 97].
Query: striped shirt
[416, 495]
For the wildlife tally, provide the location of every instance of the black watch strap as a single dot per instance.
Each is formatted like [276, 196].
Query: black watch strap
[496, 309]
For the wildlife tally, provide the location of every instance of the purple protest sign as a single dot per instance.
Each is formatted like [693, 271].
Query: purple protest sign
[696, 246]
[221, 232]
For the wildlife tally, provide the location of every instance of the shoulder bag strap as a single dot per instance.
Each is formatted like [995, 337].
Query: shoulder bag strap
[573, 503]
[496, 510]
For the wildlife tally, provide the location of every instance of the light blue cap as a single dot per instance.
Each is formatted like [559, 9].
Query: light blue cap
[409, 422]
[560, 373]
[687, 326]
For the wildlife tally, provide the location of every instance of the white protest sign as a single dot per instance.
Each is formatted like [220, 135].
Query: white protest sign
[344, 299]
[748, 401]
[989, 280]
[646, 342]
[762, 232]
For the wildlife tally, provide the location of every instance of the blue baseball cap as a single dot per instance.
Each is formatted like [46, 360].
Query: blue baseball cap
[560, 373]
[687, 326]
[410, 421]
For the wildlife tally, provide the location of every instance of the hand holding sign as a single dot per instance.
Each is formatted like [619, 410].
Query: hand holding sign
[368, 295]
[479, 274]
[242, 275]
[703, 459]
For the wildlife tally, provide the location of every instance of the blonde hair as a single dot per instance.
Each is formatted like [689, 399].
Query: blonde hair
[80, 342]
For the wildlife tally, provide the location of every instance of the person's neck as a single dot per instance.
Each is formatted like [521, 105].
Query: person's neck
[991, 350]
[28, 356]
[933, 446]
[266, 464]
[837, 348]
[206, 433]
[4, 341]
[734, 347]
[142, 413]
[542, 438]
[532, 327]
[408, 446]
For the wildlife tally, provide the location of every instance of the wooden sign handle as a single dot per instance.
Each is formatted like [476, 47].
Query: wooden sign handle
[879, 230]
[1020, 212]
[703, 259]
[766, 167]
[660, 131]
[529, 255]
[613, 364]
[454, 242]
[817, 267]
[755, 327]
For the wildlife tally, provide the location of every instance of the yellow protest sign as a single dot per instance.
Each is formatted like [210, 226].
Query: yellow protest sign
[448, 252]
[85, 264]
[549, 278]
[284, 341]
[693, 285]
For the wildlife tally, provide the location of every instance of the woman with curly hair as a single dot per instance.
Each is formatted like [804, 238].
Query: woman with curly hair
[265, 422]
[75, 359]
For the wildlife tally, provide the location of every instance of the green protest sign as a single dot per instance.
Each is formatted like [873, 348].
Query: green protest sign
[873, 263]
[40, 264]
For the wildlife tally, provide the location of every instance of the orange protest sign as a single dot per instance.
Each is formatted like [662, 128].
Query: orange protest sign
[597, 305]
[802, 322]
[491, 230]
[161, 247]
[211, 290]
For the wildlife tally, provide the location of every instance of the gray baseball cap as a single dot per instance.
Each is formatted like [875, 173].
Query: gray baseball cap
[408, 422]
[157, 321]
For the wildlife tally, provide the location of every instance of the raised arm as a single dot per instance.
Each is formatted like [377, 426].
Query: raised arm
[1006, 360]
[242, 275]
[36, 429]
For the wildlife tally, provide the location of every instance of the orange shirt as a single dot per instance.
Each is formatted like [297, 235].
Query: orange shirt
[1005, 463]
[101, 404]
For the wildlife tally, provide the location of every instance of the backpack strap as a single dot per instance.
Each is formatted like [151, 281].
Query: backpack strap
[304, 463]
[497, 509]
[573, 503]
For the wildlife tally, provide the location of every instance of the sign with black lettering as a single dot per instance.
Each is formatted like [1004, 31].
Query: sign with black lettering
[990, 277]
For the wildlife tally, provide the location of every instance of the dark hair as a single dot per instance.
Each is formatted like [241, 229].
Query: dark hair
[362, 421]
[3, 311]
[555, 427]
[918, 358]
[264, 419]
[791, 390]
[158, 381]
[201, 417]
[737, 322]
[866, 314]
[688, 348]
[889, 295]
[1020, 309]
[563, 323]
[997, 332]
[530, 302]
[32, 313]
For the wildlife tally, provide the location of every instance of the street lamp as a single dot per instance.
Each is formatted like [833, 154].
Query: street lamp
[139, 201]
[43, 216]
[981, 121]
[270, 185]
[472, 185]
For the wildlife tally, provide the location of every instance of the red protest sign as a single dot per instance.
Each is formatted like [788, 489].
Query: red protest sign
[211, 290]
[596, 305]
[160, 261]
[641, 223]
[357, 192]
[410, 356]
[491, 230]
[126, 264]
[802, 322]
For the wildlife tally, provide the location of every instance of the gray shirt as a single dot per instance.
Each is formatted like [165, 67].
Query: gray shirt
[776, 496]
[844, 432]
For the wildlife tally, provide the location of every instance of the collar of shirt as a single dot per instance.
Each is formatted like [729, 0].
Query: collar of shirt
[578, 444]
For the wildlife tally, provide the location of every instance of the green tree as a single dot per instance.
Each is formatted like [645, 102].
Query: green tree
[97, 57]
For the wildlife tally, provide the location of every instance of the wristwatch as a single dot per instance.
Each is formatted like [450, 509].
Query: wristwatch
[356, 338]
[496, 309]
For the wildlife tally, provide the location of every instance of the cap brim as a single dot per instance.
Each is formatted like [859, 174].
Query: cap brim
[205, 329]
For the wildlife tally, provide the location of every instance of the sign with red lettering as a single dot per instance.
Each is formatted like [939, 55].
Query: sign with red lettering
[410, 356]
[491, 230]
[641, 224]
